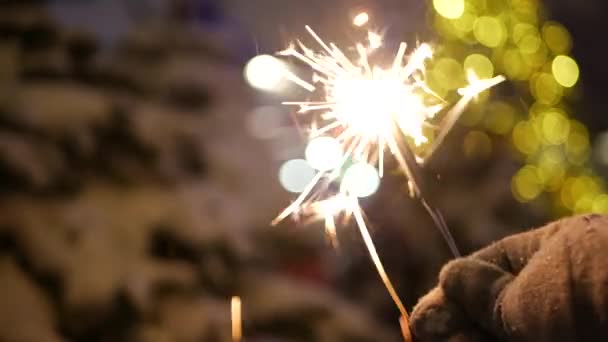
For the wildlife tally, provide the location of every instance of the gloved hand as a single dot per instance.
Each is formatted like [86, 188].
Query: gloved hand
[549, 284]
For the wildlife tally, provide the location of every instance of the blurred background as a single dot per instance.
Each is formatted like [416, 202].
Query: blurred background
[144, 151]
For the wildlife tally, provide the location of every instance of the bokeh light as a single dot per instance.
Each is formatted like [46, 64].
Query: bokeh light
[500, 117]
[448, 73]
[265, 72]
[600, 204]
[557, 38]
[480, 64]
[465, 23]
[552, 168]
[545, 89]
[361, 180]
[565, 70]
[450, 9]
[477, 144]
[490, 31]
[555, 127]
[361, 19]
[579, 194]
[534, 53]
[527, 184]
[295, 174]
[324, 153]
[514, 65]
[526, 138]
[527, 38]
[566, 197]
[584, 189]
[578, 147]
[538, 58]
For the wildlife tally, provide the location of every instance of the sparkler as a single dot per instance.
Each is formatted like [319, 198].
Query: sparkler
[369, 110]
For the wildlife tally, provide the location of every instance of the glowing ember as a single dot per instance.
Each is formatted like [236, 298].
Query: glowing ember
[236, 319]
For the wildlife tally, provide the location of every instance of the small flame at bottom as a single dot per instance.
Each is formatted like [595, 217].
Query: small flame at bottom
[236, 319]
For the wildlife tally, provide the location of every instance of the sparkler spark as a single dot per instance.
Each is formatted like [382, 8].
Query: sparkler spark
[369, 109]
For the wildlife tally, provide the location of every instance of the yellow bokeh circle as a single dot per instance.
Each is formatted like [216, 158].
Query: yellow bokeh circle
[480, 64]
[555, 127]
[565, 70]
[514, 65]
[545, 89]
[600, 204]
[450, 9]
[490, 31]
[500, 117]
[552, 168]
[527, 184]
[557, 38]
[449, 73]
[525, 138]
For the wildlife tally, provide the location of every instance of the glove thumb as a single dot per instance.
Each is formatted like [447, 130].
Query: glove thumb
[478, 288]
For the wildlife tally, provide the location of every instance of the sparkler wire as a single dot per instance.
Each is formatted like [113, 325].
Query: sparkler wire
[371, 248]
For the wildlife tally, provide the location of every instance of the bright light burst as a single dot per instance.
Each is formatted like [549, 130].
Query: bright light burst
[369, 109]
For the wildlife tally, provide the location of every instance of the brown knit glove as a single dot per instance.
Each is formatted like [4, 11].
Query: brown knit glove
[549, 284]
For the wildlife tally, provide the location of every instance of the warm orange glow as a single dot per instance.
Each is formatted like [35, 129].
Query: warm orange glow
[236, 316]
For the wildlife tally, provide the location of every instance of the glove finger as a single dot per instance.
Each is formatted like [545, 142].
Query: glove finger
[435, 318]
[477, 287]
